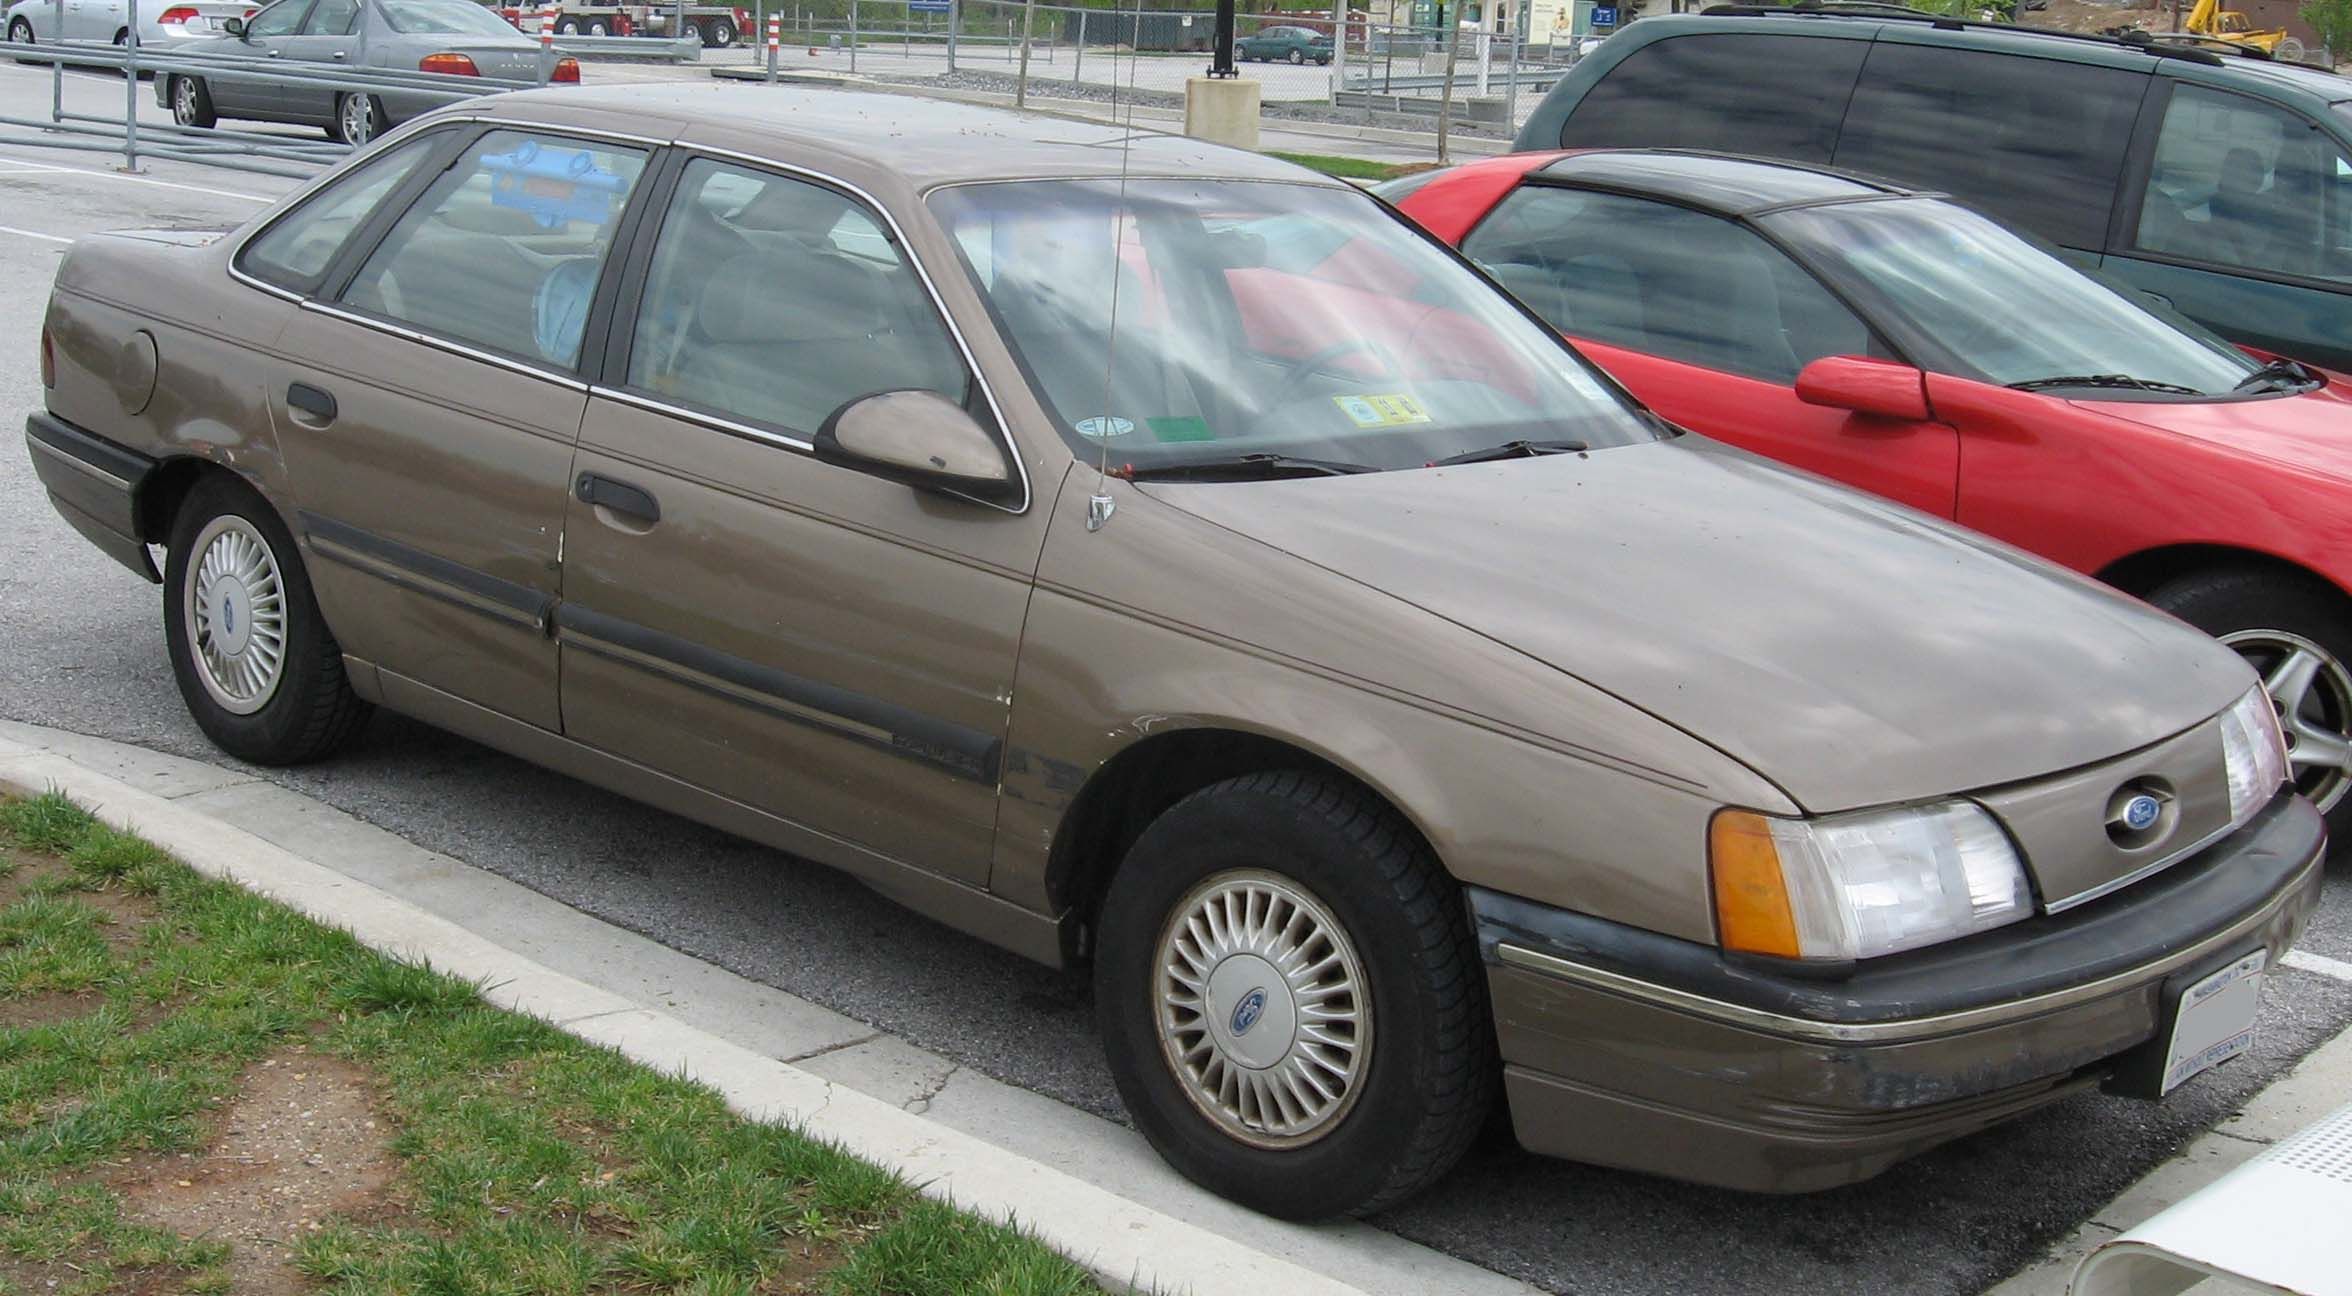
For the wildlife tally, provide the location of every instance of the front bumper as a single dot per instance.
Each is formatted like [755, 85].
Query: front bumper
[1623, 1047]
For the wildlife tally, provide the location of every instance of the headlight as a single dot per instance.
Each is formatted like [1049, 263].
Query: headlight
[2254, 752]
[1859, 885]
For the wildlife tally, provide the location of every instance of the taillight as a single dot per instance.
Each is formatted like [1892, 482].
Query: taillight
[48, 359]
[566, 69]
[177, 15]
[448, 64]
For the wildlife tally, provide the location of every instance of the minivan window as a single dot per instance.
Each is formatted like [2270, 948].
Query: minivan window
[1777, 96]
[2035, 141]
[294, 252]
[1663, 280]
[2238, 182]
[504, 249]
[777, 301]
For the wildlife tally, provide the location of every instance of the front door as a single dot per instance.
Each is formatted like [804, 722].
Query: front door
[265, 33]
[329, 36]
[1709, 324]
[429, 413]
[821, 644]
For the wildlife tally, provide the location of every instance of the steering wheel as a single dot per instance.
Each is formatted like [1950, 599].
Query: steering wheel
[1296, 375]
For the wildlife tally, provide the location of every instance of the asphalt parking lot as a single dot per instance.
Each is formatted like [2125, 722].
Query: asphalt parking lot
[84, 651]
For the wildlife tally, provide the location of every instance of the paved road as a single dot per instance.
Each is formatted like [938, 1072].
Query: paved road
[84, 651]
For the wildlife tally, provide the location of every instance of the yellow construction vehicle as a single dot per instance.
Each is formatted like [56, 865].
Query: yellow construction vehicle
[2210, 19]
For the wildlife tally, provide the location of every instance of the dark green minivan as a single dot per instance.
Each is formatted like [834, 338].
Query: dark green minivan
[2214, 180]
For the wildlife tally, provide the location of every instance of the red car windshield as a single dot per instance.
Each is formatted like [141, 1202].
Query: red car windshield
[1263, 318]
[1999, 306]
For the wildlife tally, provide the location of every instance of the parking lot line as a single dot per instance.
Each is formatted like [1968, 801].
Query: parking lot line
[2306, 961]
[26, 233]
[27, 164]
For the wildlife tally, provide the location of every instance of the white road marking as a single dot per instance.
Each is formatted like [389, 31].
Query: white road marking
[29, 165]
[26, 233]
[2304, 960]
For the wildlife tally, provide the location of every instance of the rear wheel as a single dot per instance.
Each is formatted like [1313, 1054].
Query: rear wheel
[192, 103]
[719, 33]
[254, 659]
[567, 27]
[596, 27]
[358, 119]
[1297, 57]
[1291, 999]
[2297, 635]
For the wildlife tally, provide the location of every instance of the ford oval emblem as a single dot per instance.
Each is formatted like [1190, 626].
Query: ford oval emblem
[2139, 813]
[1247, 1012]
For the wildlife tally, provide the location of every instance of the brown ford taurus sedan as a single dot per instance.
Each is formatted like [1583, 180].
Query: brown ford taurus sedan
[1378, 698]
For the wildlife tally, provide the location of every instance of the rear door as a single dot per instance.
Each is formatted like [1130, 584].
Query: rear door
[1708, 323]
[2240, 217]
[808, 639]
[1766, 95]
[329, 35]
[428, 404]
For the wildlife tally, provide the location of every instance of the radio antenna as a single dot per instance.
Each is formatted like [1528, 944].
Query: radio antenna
[1100, 506]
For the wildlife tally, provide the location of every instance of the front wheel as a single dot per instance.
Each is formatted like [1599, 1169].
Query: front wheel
[358, 119]
[2298, 636]
[192, 103]
[253, 657]
[20, 32]
[1291, 999]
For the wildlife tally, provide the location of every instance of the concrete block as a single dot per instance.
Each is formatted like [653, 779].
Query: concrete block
[1222, 110]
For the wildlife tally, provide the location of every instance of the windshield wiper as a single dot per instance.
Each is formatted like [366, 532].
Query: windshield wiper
[1248, 465]
[1511, 450]
[2104, 380]
[2294, 374]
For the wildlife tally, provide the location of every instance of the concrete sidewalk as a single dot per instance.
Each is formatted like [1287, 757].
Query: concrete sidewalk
[1089, 1187]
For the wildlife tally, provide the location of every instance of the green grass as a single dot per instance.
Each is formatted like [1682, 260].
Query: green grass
[1347, 168]
[528, 1162]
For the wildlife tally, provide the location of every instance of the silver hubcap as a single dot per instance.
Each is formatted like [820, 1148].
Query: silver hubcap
[1264, 1014]
[356, 119]
[2313, 694]
[235, 605]
[184, 102]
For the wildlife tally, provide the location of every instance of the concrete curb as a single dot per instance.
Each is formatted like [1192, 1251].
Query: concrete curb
[1118, 1240]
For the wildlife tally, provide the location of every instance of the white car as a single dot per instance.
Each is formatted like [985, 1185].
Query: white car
[160, 21]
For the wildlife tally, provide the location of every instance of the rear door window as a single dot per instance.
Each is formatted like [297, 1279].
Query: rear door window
[1775, 96]
[295, 252]
[2034, 141]
[1663, 280]
[2242, 183]
[504, 249]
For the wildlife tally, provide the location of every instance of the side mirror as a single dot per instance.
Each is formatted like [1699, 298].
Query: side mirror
[918, 437]
[234, 27]
[1880, 387]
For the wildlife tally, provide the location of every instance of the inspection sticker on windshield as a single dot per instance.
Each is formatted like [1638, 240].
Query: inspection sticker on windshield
[2215, 1021]
[1382, 411]
[1101, 427]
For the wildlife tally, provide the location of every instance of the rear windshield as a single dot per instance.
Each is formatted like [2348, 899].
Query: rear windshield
[454, 17]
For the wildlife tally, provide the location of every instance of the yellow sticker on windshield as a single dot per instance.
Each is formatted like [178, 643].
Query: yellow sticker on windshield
[1381, 411]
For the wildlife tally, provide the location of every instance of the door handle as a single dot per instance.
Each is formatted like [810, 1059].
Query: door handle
[337, 54]
[314, 401]
[620, 497]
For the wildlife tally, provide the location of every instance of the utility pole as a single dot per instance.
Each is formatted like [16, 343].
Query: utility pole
[1021, 86]
[1445, 102]
[1221, 44]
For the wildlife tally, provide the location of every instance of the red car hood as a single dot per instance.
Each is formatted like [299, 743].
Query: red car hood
[2311, 433]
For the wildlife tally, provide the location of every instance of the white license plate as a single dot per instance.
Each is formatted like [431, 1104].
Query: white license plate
[2216, 1020]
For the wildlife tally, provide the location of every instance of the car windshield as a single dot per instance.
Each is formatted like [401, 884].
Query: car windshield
[1999, 306]
[455, 17]
[1258, 318]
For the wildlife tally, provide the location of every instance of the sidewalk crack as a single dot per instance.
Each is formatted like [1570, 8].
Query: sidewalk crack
[921, 1102]
[832, 1048]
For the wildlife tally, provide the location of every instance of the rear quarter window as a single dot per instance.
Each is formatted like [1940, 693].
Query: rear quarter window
[2038, 142]
[1776, 96]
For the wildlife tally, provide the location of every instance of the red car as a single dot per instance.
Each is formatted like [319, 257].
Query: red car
[1907, 345]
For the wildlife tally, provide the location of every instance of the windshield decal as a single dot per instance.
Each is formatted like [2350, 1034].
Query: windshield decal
[1387, 410]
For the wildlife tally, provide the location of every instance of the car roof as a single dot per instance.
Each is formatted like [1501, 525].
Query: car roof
[1727, 186]
[917, 143]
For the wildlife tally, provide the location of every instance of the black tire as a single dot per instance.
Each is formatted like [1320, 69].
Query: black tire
[1297, 57]
[2243, 601]
[20, 32]
[567, 27]
[596, 27]
[358, 127]
[192, 103]
[1428, 1084]
[312, 710]
[719, 33]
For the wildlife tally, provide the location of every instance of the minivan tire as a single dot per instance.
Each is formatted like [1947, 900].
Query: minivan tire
[309, 710]
[1424, 1080]
[2264, 615]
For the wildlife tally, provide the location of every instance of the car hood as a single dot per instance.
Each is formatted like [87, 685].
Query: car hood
[1852, 651]
[2311, 431]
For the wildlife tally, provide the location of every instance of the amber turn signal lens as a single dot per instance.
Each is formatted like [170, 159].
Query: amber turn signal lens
[1751, 898]
[448, 64]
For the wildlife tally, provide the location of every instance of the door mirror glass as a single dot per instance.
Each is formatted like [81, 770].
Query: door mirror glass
[234, 27]
[1864, 386]
[918, 437]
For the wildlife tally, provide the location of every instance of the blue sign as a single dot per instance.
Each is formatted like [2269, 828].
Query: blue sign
[927, 6]
[1604, 15]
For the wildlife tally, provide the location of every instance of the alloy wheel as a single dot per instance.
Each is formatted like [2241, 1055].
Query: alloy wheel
[1263, 1010]
[2312, 691]
[359, 119]
[21, 32]
[184, 101]
[234, 603]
